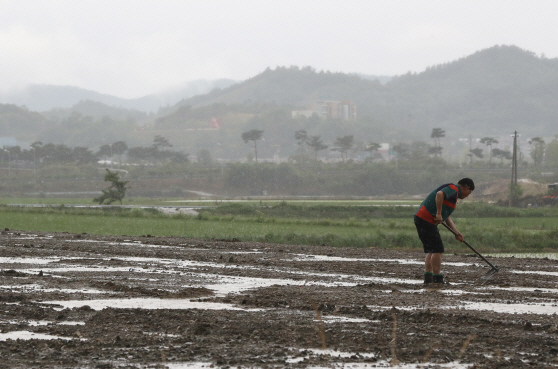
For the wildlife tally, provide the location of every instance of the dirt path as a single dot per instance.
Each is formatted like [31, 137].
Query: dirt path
[82, 301]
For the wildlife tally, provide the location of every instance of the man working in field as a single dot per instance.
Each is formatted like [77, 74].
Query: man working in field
[435, 209]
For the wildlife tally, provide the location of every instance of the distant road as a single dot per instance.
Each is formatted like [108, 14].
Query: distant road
[191, 210]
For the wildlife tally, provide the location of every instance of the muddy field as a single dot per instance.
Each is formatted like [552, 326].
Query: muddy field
[82, 301]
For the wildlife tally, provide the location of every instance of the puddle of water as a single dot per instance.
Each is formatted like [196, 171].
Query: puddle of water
[331, 364]
[535, 308]
[344, 319]
[69, 323]
[130, 243]
[447, 292]
[244, 252]
[535, 255]
[145, 303]
[306, 257]
[26, 335]
[358, 365]
[386, 364]
[18, 260]
[36, 323]
[31, 237]
[533, 272]
[151, 303]
[39, 288]
[223, 285]
[526, 289]
[228, 284]
[192, 365]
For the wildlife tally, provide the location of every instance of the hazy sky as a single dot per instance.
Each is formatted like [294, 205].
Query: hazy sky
[133, 48]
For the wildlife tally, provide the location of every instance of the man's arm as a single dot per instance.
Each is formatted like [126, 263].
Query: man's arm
[451, 224]
[440, 196]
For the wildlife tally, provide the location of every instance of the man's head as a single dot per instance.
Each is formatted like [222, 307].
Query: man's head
[467, 186]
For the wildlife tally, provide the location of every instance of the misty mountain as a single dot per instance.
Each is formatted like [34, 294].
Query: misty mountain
[293, 86]
[16, 121]
[41, 97]
[494, 91]
[381, 79]
[98, 110]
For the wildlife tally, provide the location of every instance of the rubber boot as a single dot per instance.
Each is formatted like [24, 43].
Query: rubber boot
[428, 278]
[438, 278]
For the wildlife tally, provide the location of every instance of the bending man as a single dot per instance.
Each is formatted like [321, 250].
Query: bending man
[436, 208]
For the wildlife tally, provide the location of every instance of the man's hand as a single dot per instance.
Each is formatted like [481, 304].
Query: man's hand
[459, 236]
[438, 218]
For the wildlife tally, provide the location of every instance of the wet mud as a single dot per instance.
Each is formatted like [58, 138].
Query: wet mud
[83, 301]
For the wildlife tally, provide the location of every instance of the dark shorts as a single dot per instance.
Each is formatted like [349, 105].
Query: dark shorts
[430, 236]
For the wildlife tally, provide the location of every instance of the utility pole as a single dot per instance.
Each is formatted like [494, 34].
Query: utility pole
[9, 166]
[513, 184]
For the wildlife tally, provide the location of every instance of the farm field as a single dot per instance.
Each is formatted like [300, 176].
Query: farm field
[214, 201]
[489, 228]
[72, 300]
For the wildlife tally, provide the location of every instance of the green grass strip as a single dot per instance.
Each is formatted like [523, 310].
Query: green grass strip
[496, 234]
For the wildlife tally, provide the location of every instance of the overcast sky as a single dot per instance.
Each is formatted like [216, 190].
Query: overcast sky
[134, 48]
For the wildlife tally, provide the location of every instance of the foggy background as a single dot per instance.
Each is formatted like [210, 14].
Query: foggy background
[347, 91]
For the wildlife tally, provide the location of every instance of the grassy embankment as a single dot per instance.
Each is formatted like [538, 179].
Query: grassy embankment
[487, 227]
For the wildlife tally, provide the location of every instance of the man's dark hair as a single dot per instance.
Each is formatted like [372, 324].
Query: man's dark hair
[468, 182]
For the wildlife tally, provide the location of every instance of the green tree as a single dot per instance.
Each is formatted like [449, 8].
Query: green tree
[436, 134]
[105, 151]
[475, 152]
[115, 192]
[435, 150]
[204, 157]
[537, 150]
[317, 145]
[515, 192]
[419, 150]
[372, 147]
[140, 153]
[502, 154]
[82, 155]
[159, 142]
[551, 153]
[36, 145]
[343, 145]
[119, 148]
[302, 138]
[253, 135]
[489, 141]
[402, 151]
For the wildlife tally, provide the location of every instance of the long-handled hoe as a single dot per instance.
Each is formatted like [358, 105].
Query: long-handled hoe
[493, 269]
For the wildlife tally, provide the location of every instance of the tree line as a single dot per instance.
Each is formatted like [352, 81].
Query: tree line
[308, 146]
[159, 152]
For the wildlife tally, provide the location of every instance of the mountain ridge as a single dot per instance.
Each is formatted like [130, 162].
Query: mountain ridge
[44, 97]
[491, 92]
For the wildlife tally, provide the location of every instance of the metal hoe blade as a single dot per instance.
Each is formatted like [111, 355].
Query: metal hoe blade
[488, 275]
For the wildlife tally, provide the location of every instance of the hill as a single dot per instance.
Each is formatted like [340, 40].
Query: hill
[98, 110]
[295, 87]
[494, 91]
[46, 97]
[16, 121]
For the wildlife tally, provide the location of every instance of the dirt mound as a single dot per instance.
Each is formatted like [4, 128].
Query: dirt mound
[498, 190]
